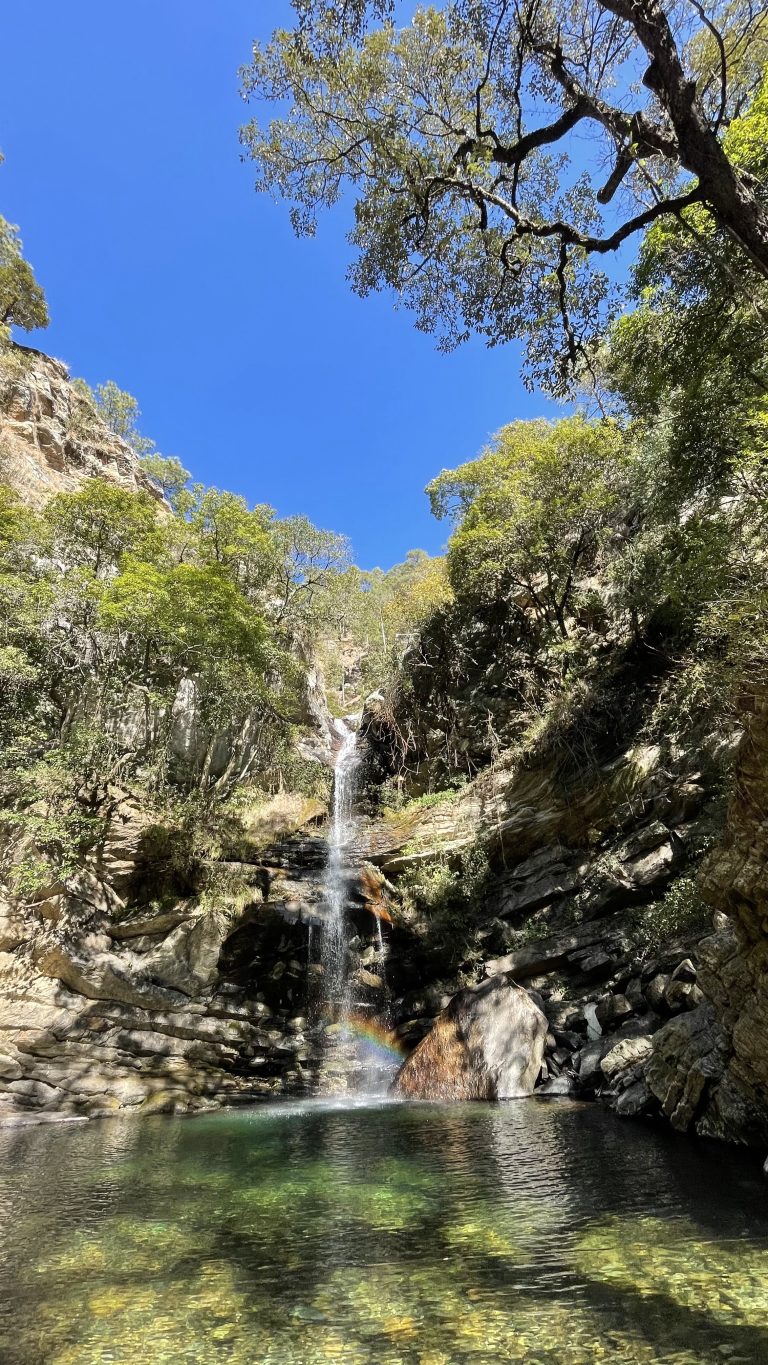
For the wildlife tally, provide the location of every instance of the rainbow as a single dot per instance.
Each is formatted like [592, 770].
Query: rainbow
[383, 1044]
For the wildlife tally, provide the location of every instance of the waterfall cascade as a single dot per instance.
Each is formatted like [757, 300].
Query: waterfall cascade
[356, 1045]
[335, 935]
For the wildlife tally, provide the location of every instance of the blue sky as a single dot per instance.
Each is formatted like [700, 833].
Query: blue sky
[250, 357]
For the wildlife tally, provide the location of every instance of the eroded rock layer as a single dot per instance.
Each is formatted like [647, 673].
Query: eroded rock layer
[113, 1002]
[50, 438]
[593, 903]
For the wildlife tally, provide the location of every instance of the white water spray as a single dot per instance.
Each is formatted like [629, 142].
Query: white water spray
[354, 1037]
[335, 937]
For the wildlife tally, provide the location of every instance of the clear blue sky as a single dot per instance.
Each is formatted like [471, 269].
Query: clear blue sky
[250, 357]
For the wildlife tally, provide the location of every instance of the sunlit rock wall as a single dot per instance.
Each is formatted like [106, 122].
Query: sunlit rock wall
[50, 440]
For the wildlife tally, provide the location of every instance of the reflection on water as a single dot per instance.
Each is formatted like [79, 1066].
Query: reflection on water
[425, 1235]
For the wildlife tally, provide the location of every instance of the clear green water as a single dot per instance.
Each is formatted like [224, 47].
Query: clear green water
[545, 1233]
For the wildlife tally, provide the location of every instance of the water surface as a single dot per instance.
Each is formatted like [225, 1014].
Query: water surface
[550, 1234]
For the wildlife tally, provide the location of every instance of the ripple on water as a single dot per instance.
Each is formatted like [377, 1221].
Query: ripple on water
[374, 1232]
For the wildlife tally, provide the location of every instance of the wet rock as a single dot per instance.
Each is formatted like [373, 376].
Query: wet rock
[557, 1086]
[488, 1044]
[588, 1062]
[369, 979]
[413, 1030]
[636, 1099]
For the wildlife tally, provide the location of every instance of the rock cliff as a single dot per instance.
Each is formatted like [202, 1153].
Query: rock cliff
[50, 438]
[125, 990]
[594, 901]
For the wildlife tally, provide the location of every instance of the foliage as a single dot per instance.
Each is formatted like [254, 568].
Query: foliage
[147, 648]
[447, 897]
[119, 411]
[680, 914]
[373, 617]
[663, 523]
[167, 473]
[100, 523]
[531, 511]
[394, 803]
[22, 301]
[460, 136]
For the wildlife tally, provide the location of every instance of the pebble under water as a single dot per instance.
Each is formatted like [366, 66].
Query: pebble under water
[546, 1233]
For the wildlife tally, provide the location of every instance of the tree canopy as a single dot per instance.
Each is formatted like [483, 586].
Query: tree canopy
[530, 511]
[22, 301]
[461, 137]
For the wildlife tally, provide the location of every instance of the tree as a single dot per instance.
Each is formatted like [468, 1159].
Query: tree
[190, 616]
[22, 301]
[309, 559]
[461, 136]
[239, 538]
[119, 411]
[99, 524]
[400, 600]
[690, 362]
[167, 473]
[19, 528]
[530, 512]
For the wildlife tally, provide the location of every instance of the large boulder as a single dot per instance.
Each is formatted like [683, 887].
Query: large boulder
[487, 1045]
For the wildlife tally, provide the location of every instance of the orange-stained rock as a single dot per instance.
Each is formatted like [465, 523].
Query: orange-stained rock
[487, 1045]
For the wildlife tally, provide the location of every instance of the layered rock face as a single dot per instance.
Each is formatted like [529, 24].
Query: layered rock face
[715, 1075]
[110, 1001]
[656, 1015]
[487, 1045]
[50, 440]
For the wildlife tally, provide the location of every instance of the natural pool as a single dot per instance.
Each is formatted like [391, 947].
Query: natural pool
[544, 1233]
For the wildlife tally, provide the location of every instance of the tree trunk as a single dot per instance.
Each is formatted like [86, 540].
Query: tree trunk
[725, 191]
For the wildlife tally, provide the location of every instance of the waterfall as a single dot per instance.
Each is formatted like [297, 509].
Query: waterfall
[357, 1052]
[335, 935]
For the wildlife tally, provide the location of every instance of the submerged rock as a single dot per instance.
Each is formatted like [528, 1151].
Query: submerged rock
[488, 1044]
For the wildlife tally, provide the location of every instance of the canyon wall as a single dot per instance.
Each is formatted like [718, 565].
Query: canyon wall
[633, 920]
[619, 892]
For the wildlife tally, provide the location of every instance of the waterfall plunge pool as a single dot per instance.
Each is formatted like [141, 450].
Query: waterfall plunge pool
[397, 1234]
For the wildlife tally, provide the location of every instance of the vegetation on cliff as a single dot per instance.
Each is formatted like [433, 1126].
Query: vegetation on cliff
[606, 571]
[150, 646]
[22, 301]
